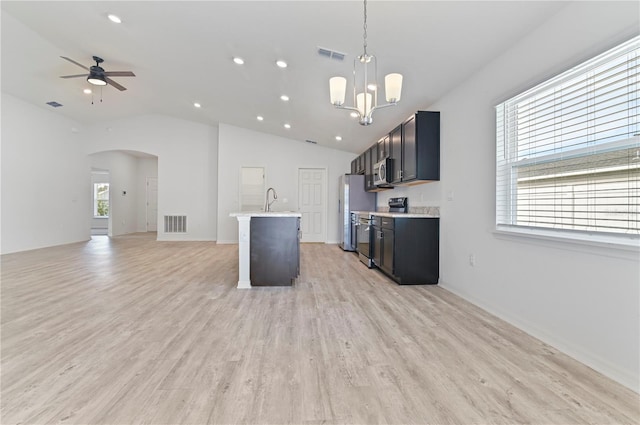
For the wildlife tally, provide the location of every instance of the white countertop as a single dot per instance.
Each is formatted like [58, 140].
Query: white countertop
[266, 214]
[398, 215]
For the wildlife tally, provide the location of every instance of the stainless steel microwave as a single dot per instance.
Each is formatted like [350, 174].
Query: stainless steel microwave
[383, 172]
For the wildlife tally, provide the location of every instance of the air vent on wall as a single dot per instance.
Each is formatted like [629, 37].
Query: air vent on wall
[54, 104]
[175, 224]
[331, 54]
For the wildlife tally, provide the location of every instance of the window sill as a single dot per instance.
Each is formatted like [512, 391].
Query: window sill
[612, 246]
[100, 216]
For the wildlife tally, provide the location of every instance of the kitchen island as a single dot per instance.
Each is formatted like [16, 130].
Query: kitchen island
[268, 248]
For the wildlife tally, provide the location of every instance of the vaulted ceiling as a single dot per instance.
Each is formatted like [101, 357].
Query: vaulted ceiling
[181, 53]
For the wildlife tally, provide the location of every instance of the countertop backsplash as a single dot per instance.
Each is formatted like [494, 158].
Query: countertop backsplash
[425, 210]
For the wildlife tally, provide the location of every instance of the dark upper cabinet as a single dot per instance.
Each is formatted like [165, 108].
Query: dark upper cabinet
[395, 148]
[383, 148]
[370, 157]
[361, 164]
[414, 147]
[357, 165]
[421, 147]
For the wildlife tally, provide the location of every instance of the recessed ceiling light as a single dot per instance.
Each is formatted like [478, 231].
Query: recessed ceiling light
[354, 115]
[287, 126]
[87, 91]
[281, 63]
[372, 87]
[339, 138]
[284, 97]
[114, 18]
[238, 60]
[197, 105]
[260, 118]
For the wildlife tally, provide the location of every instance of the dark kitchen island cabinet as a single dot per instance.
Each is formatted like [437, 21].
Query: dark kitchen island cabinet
[274, 251]
[407, 249]
[268, 248]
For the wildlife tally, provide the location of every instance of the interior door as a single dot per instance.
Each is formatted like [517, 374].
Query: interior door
[312, 203]
[252, 189]
[152, 204]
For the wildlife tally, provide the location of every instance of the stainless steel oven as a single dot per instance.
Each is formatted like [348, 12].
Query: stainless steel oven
[364, 239]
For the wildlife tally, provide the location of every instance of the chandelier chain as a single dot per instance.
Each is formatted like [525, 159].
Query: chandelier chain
[364, 26]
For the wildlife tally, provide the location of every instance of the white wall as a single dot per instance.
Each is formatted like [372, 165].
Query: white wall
[147, 167]
[583, 300]
[186, 167]
[46, 182]
[281, 159]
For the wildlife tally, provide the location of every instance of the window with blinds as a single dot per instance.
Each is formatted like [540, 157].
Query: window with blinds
[568, 150]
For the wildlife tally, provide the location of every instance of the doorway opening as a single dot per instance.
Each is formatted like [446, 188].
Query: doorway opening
[101, 201]
[252, 188]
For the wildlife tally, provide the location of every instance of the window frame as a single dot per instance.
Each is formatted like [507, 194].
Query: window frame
[507, 162]
[96, 200]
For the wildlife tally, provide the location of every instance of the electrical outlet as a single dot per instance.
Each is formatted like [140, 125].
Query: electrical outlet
[472, 260]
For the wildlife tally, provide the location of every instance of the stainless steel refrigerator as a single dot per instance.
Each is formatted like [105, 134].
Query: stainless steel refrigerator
[352, 198]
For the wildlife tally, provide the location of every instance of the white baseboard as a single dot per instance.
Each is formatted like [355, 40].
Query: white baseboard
[605, 367]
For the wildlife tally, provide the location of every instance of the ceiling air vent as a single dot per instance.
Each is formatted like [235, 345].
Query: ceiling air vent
[54, 104]
[331, 54]
[313, 142]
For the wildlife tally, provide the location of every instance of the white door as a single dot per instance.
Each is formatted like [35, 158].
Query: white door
[152, 204]
[252, 188]
[312, 203]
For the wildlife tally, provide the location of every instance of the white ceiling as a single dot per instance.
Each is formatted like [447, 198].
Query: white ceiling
[181, 53]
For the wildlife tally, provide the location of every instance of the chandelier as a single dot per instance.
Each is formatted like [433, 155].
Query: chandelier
[365, 85]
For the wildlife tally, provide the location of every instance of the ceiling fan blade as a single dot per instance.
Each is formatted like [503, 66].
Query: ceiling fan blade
[74, 76]
[119, 74]
[72, 61]
[114, 84]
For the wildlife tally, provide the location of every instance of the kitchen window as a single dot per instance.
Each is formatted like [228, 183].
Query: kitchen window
[101, 200]
[568, 152]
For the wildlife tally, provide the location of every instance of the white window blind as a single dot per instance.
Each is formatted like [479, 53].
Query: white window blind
[568, 150]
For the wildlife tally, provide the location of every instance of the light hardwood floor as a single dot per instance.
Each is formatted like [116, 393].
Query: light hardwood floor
[130, 330]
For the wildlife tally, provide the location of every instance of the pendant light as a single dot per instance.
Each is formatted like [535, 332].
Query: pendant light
[365, 85]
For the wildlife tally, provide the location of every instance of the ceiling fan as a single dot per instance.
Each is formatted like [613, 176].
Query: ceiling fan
[97, 75]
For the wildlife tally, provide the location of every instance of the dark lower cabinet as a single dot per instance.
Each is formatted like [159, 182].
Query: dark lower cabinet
[407, 249]
[274, 251]
[383, 245]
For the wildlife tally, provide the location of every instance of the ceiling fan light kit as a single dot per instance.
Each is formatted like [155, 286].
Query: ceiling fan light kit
[365, 93]
[96, 79]
[97, 75]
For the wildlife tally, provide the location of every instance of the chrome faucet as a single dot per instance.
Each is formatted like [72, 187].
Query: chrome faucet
[267, 204]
